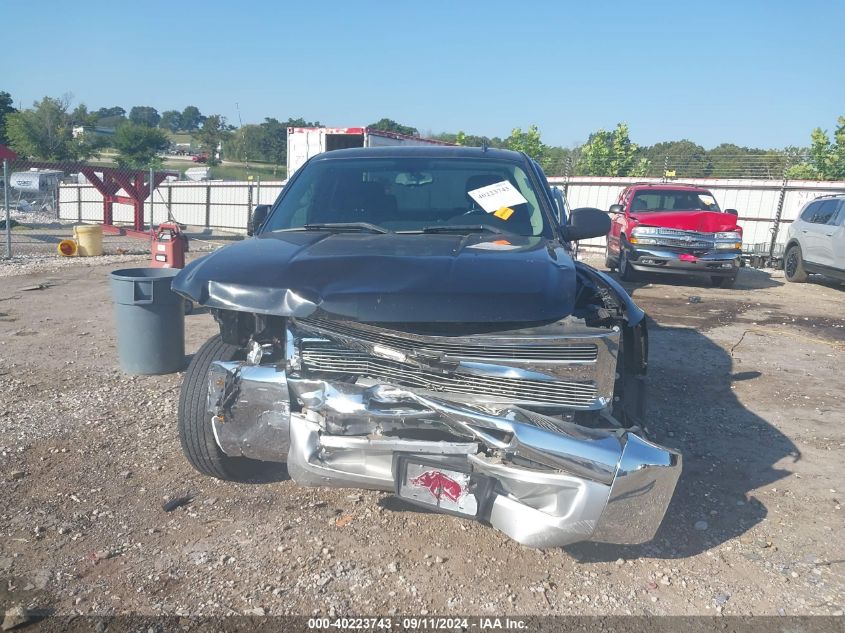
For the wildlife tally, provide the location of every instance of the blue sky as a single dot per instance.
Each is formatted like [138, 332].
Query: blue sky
[751, 72]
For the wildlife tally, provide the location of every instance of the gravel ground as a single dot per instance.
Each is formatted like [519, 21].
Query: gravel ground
[747, 383]
[34, 246]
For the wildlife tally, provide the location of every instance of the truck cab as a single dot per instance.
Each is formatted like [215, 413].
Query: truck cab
[676, 229]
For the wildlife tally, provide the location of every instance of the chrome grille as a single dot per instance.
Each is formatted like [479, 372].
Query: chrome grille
[678, 238]
[327, 357]
[543, 351]
[678, 243]
[678, 232]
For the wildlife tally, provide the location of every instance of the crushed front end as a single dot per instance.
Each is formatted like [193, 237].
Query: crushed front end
[512, 426]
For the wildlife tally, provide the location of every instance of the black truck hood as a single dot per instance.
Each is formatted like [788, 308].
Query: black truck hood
[387, 277]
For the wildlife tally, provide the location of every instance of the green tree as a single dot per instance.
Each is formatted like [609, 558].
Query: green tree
[612, 154]
[389, 125]
[211, 135]
[5, 109]
[81, 116]
[191, 119]
[556, 161]
[170, 120]
[144, 115]
[468, 140]
[274, 140]
[825, 158]
[596, 155]
[138, 146]
[114, 111]
[622, 151]
[528, 142]
[802, 171]
[110, 117]
[45, 132]
[686, 158]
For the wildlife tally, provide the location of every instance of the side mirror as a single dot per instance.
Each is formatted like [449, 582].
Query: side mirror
[616, 208]
[586, 222]
[732, 211]
[259, 215]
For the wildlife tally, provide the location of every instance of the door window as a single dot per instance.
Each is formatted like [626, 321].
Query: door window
[821, 212]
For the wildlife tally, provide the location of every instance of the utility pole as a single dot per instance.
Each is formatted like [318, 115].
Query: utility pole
[8, 212]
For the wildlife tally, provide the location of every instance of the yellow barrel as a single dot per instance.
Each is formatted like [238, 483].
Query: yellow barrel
[90, 239]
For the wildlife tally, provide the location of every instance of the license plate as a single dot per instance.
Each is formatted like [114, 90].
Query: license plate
[430, 484]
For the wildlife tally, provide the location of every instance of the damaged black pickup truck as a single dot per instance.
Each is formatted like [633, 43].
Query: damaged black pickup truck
[411, 319]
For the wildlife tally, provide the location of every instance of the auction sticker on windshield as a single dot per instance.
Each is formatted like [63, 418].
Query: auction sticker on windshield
[497, 196]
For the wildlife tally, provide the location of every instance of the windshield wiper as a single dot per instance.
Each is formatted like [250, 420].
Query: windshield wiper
[460, 228]
[346, 226]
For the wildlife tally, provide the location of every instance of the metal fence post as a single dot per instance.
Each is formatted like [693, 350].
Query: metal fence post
[567, 172]
[778, 213]
[152, 202]
[8, 211]
[208, 206]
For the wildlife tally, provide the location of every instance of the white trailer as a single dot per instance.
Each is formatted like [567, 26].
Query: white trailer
[305, 142]
[36, 180]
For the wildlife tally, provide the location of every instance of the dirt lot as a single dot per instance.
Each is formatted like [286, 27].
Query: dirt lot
[747, 383]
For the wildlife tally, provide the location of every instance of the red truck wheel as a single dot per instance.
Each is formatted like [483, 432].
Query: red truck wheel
[626, 273]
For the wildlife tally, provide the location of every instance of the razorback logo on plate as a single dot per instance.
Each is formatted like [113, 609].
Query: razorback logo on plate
[439, 484]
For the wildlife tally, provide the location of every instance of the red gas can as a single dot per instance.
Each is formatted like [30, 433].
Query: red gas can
[169, 246]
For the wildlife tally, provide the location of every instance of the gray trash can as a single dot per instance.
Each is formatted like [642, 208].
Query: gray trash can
[150, 320]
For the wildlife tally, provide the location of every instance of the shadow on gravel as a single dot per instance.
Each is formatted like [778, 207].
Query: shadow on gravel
[827, 282]
[396, 504]
[748, 279]
[728, 451]
[270, 473]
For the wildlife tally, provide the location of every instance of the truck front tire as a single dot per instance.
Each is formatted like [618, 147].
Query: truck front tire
[609, 262]
[195, 431]
[626, 273]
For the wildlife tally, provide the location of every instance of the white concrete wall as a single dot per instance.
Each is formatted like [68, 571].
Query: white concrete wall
[222, 205]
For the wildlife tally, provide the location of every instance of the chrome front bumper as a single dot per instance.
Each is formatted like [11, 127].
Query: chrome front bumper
[538, 508]
[552, 482]
[656, 259]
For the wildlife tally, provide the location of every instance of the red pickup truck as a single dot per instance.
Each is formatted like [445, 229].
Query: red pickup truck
[673, 228]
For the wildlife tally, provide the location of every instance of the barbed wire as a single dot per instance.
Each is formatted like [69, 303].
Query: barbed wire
[772, 165]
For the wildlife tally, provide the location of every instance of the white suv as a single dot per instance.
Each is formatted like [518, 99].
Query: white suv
[816, 240]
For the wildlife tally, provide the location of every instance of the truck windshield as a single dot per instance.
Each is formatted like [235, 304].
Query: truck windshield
[414, 195]
[673, 200]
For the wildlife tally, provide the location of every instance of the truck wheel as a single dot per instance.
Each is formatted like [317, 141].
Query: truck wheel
[793, 265]
[722, 282]
[608, 261]
[195, 431]
[626, 273]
